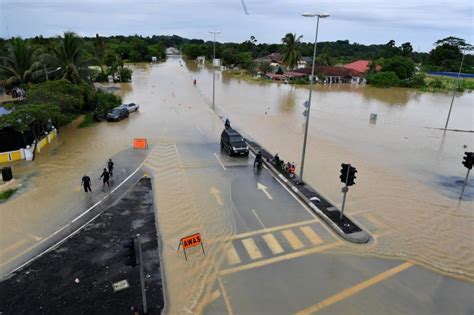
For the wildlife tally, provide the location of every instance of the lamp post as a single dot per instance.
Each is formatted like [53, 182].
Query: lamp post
[320, 15]
[455, 85]
[214, 69]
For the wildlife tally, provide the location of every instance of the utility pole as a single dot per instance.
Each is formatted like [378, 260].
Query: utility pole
[142, 274]
[214, 70]
[455, 86]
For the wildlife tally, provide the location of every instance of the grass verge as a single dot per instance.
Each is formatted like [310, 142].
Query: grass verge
[87, 121]
[4, 195]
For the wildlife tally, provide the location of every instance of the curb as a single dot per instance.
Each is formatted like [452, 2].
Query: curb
[356, 237]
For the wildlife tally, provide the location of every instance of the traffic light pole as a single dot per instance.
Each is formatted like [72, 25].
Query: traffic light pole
[345, 190]
[465, 183]
[142, 273]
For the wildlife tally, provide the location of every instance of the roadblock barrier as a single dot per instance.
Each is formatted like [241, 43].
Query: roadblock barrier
[191, 241]
[140, 143]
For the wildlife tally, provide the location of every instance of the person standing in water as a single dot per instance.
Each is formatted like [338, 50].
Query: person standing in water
[110, 166]
[86, 182]
[105, 179]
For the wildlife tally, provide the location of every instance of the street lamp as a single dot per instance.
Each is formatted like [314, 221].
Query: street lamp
[46, 72]
[455, 86]
[214, 69]
[320, 15]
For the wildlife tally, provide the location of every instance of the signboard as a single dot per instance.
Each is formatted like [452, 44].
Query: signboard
[216, 63]
[191, 241]
[140, 143]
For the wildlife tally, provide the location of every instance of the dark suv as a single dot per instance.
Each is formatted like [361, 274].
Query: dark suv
[233, 143]
[117, 114]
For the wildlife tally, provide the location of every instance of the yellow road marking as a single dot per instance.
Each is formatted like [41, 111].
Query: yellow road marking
[311, 235]
[232, 256]
[292, 239]
[251, 248]
[279, 258]
[273, 243]
[226, 298]
[273, 229]
[355, 289]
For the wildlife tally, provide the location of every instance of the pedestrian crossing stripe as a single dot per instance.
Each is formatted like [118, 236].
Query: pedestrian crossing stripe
[273, 244]
[252, 249]
[232, 256]
[311, 235]
[292, 239]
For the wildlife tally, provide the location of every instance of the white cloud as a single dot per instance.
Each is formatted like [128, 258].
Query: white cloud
[372, 21]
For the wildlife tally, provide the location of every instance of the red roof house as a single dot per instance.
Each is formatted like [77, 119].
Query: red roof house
[361, 66]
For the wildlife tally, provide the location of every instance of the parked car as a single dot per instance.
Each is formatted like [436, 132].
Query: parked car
[117, 114]
[233, 143]
[132, 107]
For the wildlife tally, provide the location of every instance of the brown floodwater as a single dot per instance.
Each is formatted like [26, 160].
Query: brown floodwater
[407, 173]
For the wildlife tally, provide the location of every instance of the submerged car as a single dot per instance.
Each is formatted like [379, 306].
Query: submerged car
[132, 107]
[233, 143]
[117, 114]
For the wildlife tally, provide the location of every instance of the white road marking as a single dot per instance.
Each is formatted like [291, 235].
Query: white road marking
[261, 223]
[264, 189]
[200, 131]
[220, 162]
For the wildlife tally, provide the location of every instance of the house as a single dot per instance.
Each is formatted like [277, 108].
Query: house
[361, 66]
[201, 59]
[334, 74]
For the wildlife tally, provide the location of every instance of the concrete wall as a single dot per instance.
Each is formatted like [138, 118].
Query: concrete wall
[16, 155]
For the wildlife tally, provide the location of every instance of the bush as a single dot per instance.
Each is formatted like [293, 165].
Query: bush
[71, 98]
[125, 74]
[101, 77]
[105, 102]
[383, 79]
[299, 81]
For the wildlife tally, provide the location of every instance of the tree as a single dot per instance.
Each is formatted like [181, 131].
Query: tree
[325, 59]
[447, 54]
[265, 67]
[407, 49]
[19, 65]
[390, 50]
[383, 79]
[403, 67]
[69, 59]
[291, 51]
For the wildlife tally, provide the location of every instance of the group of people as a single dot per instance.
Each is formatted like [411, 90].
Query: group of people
[280, 165]
[107, 173]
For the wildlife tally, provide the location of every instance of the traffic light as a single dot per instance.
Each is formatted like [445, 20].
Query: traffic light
[131, 252]
[468, 160]
[352, 176]
[345, 168]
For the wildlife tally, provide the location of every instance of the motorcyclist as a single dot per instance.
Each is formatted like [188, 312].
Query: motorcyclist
[258, 159]
[227, 123]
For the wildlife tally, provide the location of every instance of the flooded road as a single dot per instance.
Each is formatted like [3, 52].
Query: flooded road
[404, 169]
[409, 176]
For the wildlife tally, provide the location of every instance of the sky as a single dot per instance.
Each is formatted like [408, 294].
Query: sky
[365, 22]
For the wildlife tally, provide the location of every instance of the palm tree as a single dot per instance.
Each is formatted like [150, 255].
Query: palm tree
[69, 59]
[20, 64]
[291, 52]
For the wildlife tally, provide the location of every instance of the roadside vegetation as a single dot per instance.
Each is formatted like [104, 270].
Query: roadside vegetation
[57, 82]
[398, 65]
[4, 195]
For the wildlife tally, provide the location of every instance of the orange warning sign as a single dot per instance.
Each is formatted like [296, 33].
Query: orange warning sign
[191, 241]
[140, 143]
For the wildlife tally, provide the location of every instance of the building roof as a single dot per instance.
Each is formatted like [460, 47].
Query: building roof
[331, 71]
[275, 57]
[360, 66]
